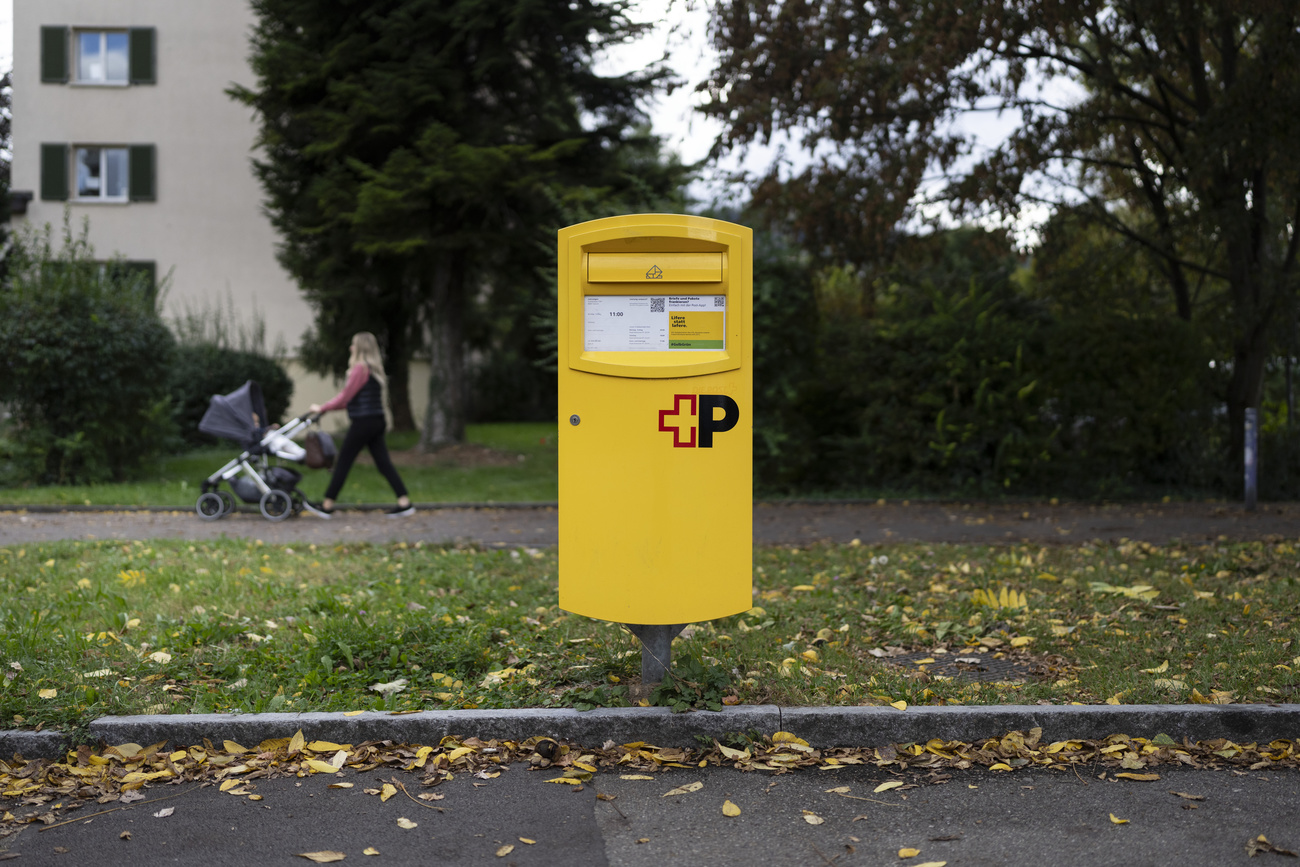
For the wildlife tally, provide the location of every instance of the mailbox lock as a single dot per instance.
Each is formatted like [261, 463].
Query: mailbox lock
[574, 420]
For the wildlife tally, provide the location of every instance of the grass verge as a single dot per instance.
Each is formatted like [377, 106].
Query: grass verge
[508, 462]
[94, 628]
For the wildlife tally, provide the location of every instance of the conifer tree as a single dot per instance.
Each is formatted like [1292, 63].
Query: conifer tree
[418, 155]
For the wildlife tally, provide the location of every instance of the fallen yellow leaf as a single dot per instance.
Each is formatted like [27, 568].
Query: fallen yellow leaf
[908, 853]
[324, 857]
[838, 790]
[406, 823]
[931, 864]
[297, 742]
[885, 787]
[527, 840]
[370, 850]
[327, 747]
[1159, 669]
[319, 767]
[568, 781]
[254, 797]
[1022, 641]
[1000, 766]
[812, 818]
[684, 790]
[788, 738]
[634, 777]
[900, 704]
[48, 693]
[1118, 821]
[230, 784]
[353, 712]
[387, 792]
[341, 785]
[730, 809]
[232, 747]
[1141, 778]
[505, 850]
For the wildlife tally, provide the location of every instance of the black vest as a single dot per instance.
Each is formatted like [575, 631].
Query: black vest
[369, 401]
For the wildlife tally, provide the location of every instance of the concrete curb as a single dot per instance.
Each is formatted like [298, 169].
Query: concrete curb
[33, 745]
[820, 726]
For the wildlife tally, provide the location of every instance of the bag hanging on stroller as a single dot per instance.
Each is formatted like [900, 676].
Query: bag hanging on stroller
[241, 416]
[320, 450]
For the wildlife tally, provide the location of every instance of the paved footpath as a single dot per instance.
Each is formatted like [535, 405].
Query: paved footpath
[774, 523]
[973, 819]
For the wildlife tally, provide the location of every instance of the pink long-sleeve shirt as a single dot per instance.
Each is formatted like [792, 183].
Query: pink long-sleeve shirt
[357, 377]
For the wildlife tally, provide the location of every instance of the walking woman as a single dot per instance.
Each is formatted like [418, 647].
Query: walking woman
[363, 395]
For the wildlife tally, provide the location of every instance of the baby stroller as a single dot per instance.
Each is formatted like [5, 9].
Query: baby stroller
[240, 416]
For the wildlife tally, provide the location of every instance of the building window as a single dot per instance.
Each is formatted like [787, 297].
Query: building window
[102, 57]
[126, 55]
[102, 174]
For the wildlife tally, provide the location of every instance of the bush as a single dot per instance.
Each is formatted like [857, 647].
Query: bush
[202, 370]
[84, 370]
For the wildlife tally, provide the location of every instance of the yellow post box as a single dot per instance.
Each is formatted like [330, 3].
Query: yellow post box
[655, 365]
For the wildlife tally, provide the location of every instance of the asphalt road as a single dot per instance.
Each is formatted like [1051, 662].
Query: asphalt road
[777, 523]
[975, 818]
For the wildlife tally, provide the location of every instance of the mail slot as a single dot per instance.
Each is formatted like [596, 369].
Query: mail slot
[663, 267]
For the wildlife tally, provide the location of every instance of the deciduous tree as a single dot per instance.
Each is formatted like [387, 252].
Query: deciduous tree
[1171, 122]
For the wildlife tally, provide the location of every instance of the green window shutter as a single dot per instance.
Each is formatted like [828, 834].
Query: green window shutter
[54, 55]
[142, 57]
[54, 172]
[143, 174]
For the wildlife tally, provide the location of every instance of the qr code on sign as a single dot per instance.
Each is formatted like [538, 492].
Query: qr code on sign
[719, 300]
[657, 305]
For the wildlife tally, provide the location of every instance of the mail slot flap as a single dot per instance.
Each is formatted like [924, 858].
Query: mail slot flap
[654, 267]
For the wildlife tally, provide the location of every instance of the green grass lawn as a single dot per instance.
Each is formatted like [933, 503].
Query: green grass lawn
[94, 628]
[531, 475]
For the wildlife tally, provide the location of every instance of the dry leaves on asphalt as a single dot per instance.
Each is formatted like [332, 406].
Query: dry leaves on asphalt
[325, 856]
[1261, 844]
[120, 773]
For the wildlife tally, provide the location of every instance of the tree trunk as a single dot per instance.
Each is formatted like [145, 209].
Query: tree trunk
[397, 364]
[444, 421]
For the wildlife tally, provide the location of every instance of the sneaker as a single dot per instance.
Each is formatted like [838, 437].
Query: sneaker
[319, 511]
[400, 511]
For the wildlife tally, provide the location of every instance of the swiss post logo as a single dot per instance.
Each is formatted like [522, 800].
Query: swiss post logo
[694, 414]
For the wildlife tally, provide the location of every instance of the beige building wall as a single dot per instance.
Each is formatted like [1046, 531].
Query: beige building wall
[206, 228]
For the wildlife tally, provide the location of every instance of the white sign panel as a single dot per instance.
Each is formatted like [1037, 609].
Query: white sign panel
[654, 323]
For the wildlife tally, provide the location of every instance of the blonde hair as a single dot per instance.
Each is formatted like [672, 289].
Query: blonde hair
[365, 350]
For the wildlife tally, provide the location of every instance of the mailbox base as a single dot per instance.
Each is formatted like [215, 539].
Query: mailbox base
[656, 649]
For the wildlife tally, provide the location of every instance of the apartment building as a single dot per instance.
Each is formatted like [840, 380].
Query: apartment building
[121, 115]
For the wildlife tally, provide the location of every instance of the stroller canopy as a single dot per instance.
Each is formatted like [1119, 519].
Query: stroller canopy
[231, 415]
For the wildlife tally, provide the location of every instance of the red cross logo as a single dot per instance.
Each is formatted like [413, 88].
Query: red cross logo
[664, 426]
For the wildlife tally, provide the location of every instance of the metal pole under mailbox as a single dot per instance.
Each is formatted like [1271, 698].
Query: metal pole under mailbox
[1252, 457]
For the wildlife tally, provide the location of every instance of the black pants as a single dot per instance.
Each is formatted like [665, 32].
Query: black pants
[364, 433]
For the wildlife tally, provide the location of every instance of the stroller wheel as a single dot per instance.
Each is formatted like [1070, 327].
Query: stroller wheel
[210, 506]
[276, 505]
[227, 502]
